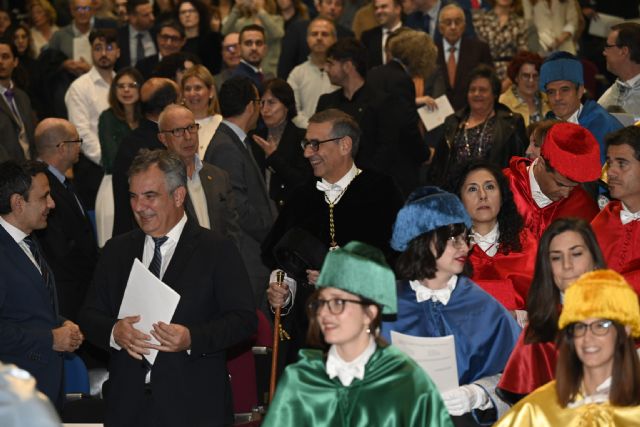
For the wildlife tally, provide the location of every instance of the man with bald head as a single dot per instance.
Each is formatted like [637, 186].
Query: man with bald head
[210, 198]
[155, 94]
[68, 241]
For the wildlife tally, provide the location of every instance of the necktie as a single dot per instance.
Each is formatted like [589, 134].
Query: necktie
[451, 65]
[45, 271]
[156, 262]
[426, 23]
[475, 4]
[139, 48]
[626, 217]
[9, 94]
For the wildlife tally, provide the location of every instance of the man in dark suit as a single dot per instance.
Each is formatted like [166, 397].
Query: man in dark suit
[427, 16]
[389, 15]
[155, 93]
[457, 56]
[295, 49]
[32, 334]
[210, 199]
[170, 39]
[68, 241]
[136, 40]
[230, 150]
[252, 51]
[16, 115]
[188, 384]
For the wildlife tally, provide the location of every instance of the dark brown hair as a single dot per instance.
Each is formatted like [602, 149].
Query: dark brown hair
[116, 106]
[521, 58]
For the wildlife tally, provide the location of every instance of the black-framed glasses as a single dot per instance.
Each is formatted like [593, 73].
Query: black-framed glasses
[315, 144]
[180, 132]
[71, 141]
[599, 328]
[609, 46]
[335, 305]
[231, 48]
[83, 8]
[460, 240]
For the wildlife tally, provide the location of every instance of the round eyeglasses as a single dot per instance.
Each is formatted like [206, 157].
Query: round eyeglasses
[599, 328]
[336, 305]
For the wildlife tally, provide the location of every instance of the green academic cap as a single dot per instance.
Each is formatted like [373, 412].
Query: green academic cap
[362, 270]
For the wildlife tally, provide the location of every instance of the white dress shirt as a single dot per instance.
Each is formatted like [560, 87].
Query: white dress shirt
[443, 295]
[308, 82]
[539, 197]
[147, 43]
[18, 236]
[334, 192]
[489, 242]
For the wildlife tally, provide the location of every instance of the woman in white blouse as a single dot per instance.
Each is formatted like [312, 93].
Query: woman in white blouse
[556, 22]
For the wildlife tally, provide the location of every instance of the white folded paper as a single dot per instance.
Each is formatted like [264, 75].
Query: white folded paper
[436, 355]
[434, 118]
[149, 297]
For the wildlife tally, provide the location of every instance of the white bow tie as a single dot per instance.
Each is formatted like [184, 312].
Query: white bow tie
[346, 372]
[626, 217]
[425, 294]
[320, 185]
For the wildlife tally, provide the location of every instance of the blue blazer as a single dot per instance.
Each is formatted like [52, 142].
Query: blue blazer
[27, 318]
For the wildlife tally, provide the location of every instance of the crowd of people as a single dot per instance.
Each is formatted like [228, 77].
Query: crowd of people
[277, 163]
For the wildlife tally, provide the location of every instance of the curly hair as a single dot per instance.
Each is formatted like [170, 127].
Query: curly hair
[521, 58]
[510, 222]
[416, 50]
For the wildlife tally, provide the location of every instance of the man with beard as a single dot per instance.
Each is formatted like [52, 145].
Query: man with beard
[252, 51]
[388, 14]
[86, 99]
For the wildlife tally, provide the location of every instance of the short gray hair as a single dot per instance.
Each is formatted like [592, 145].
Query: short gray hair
[342, 124]
[175, 172]
[452, 6]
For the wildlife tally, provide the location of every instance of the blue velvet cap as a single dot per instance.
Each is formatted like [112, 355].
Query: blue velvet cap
[426, 209]
[560, 66]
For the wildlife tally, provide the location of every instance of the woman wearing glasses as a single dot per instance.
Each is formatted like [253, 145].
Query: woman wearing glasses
[568, 248]
[356, 379]
[598, 371]
[504, 252]
[114, 124]
[277, 148]
[436, 299]
[200, 96]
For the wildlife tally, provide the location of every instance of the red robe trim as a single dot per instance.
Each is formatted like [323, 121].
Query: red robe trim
[620, 244]
[529, 367]
[579, 204]
[506, 277]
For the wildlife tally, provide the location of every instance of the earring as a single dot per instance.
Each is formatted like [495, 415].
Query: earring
[369, 331]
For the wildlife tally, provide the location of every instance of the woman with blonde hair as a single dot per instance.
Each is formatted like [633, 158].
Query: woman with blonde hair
[42, 18]
[199, 95]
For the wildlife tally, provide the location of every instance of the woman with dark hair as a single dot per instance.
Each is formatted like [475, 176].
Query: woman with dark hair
[25, 75]
[537, 132]
[201, 41]
[504, 252]
[568, 248]
[437, 299]
[524, 97]
[598, 371]
[277, 148]
[342, 384]
[122, 116]
[484, 129]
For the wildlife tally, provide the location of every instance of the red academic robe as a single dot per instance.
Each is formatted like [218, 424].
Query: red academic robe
[579, 204]
[506, 277]
[529, 366]
[620, 244]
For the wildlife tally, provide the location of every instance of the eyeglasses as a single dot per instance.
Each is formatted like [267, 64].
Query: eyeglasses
[461, 240]
[609, 46]
[103, 48]
[231, 48]
[83, 8]
[336, 305]
[127, 85]
[168, 38]
[71, 141]
[315, 144]
[599, 328]
[529, 76]
[179, 132]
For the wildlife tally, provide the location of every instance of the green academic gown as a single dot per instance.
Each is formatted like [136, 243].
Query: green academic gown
[394, 392]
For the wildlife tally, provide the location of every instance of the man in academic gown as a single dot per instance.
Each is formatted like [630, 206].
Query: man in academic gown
[549, 187]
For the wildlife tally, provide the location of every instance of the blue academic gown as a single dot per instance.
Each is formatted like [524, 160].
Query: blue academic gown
[485, 333]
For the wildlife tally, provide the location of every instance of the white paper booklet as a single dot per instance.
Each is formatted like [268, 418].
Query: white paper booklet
[434, 118]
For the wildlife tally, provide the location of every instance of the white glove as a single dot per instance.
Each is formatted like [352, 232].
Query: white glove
[464, 399]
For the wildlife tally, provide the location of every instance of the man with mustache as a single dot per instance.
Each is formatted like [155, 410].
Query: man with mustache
[616, 226]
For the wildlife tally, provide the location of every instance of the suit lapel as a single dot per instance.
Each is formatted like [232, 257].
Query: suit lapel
[186, 246]
[4, 106]
[67, 197]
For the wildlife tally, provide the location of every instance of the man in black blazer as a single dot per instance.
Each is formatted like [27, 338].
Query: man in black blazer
[468, 53]
[188, 384]
[32, 334]
[253, 48]
[210, 199]
[156, 93]
[230, 150]
[388, 13]
[16, 116]
[170, 39]
[136, 40]
[68, 241]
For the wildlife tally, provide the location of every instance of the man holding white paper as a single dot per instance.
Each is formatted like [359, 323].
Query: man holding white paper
[215, 309]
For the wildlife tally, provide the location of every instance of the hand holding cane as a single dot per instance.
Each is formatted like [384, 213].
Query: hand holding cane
[276, 342]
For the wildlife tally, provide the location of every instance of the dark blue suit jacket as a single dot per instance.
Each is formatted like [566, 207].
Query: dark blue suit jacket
[27, 318]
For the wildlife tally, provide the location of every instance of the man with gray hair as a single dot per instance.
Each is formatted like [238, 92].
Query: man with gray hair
[188, 383]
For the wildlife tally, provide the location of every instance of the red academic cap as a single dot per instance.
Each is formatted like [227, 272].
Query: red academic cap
[573, 151]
